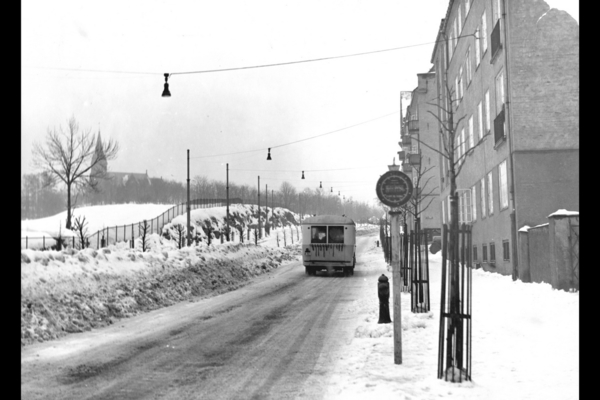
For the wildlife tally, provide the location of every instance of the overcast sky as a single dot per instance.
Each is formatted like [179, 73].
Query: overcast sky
[135, 42]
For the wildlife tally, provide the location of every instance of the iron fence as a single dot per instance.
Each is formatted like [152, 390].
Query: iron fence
[454, 362]
[129, 232]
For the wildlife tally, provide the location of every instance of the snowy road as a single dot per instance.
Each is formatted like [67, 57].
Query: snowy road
[274, 338]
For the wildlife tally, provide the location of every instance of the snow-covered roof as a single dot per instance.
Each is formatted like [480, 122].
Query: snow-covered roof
[539, 226]
[328, 219]
[564, 213]
[525, 228]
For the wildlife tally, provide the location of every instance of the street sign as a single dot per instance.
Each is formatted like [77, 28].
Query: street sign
[394, 188]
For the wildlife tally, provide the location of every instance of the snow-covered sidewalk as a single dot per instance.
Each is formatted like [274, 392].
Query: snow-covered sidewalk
[525, 343]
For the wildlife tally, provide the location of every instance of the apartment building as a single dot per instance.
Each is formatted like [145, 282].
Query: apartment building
[512, 69]
[419, 159]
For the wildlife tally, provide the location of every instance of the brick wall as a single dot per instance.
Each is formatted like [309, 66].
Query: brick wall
[543, 76]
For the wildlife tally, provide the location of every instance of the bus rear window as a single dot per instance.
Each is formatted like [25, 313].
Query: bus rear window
[318, 234]
[336, 234]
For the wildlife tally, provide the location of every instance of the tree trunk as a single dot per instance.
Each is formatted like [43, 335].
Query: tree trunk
[68, 226]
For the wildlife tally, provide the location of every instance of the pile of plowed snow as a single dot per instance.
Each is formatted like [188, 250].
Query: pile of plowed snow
[73, 291]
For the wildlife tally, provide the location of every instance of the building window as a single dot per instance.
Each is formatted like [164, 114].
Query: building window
[484, 252]
[487, 110]
[480, 118]
[505, 250]
[455, 35]
[459, 19]
[463, 143]
[459, 84]
[492, 252]
[503, 181]
[483, 208]
[449, 210]
[474, 204]
[495, 38]
[466, 196]
[475, 253]
[461, 211]
[467, 7]
[483, 34]
[499, 124]
[477, 48]
[456, 93]
[496, 10]
[490, 188]
[499, 92]
[462, 82]
[470, 133]
[450, 49]
[468, 65]
[443, 212]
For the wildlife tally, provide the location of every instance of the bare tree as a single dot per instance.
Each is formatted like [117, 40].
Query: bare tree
[144, 231]
[422, 196]
[454, 151]
[80, 226]
[70, 157]
[288, 193]
[180, 232]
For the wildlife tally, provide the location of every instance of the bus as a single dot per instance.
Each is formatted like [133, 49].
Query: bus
[329, 243]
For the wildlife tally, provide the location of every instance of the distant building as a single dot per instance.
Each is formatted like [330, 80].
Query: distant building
[420, 136]
[116, 187]
[513, 66]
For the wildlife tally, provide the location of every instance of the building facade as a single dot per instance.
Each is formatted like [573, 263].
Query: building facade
[418, 156]
[508, 70]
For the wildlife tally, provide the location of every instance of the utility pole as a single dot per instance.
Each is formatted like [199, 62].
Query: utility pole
[189, 235]
[259, 235]
[227, 191]
[396, 279]
[267, 207]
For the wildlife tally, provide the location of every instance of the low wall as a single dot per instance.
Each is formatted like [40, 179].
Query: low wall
[550, 252]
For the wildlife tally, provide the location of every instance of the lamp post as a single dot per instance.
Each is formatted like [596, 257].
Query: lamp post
[189, 235]
[227, 191]
[259, 228]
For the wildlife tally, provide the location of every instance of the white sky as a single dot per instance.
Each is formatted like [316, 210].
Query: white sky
[236, 111]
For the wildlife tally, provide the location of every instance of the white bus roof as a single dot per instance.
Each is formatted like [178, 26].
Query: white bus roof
[328, 220]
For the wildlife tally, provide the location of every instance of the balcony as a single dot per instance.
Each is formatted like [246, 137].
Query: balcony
[406, 168]
[401, 155]
[499, 133]
[414, 159]
[413, 125]
[405, 140]
[496, 44]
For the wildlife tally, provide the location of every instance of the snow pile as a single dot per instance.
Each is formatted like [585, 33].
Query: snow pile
[97, 218]
[525, 342]
[76, 290]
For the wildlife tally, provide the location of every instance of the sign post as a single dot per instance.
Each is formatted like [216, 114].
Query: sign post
[394, 189]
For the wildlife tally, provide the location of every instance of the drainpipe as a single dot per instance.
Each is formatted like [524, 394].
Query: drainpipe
[507, 119]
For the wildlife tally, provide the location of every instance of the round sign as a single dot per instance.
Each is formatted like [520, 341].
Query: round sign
[394, 188]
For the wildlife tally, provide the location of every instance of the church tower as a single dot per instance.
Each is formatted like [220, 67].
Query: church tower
[99, 163]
